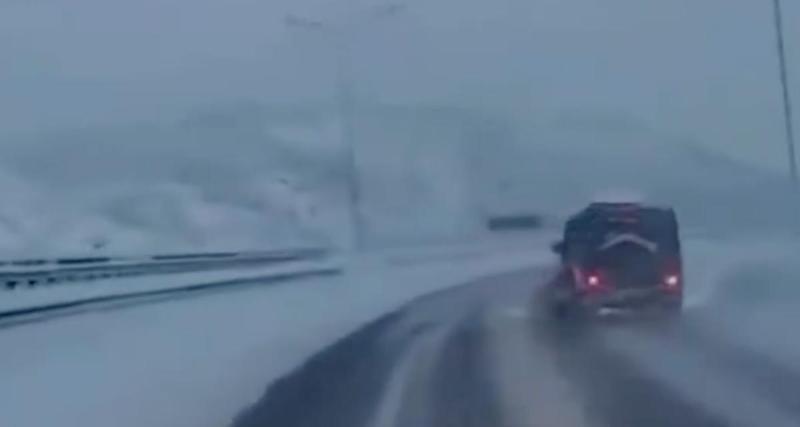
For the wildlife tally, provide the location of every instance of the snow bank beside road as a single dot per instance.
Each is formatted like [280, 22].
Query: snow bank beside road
[743, 271]
[114, 218]
[198, 362]
[746, 290]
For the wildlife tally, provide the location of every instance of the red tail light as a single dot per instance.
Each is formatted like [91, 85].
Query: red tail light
[589, 281]
[672, 283]
[672, 280]
[592, 282]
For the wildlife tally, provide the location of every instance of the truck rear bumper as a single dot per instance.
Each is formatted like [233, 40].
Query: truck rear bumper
[632, 299]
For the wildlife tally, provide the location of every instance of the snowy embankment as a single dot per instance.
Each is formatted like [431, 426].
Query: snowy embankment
[746, 290]
[258, 178]
[197, 362]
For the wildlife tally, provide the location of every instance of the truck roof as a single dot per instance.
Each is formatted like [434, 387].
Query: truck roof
[594, 222]
[610, 210]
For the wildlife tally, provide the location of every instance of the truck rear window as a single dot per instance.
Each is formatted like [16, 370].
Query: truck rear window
[656, 226]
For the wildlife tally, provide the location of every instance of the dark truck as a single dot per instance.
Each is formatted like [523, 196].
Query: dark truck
[618, 257]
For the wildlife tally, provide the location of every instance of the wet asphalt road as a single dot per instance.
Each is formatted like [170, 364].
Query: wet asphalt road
[484, 354]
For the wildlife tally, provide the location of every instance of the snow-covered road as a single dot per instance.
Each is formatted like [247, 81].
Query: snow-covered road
[487, 355]
[197, 362]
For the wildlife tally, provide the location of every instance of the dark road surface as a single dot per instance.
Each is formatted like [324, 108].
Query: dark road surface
[485, 355]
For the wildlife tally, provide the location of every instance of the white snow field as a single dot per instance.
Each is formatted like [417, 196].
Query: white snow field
[196, 362]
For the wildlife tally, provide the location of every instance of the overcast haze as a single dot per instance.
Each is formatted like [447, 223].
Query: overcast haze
[700, 69]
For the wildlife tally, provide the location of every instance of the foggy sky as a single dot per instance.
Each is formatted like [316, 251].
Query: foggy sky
[700, 69]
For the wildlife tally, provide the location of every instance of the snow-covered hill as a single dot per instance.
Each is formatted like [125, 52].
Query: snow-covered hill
[255, 177]
[556, 166]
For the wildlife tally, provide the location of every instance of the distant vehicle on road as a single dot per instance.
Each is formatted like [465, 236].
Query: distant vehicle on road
[618, 257]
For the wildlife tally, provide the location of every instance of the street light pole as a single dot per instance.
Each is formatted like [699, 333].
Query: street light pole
[787, 98]
[347, 110]
[346, 100]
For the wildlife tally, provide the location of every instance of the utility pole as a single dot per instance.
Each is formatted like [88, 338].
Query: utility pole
[787, 97]
[346, 100]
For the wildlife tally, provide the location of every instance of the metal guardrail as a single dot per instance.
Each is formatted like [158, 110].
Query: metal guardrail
[50, 311]
[41, 272]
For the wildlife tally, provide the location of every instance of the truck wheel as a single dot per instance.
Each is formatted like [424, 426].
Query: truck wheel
[568, 311]
[673, 308]
[561, 310]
